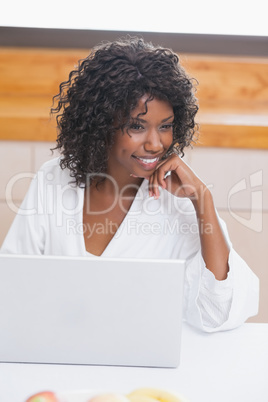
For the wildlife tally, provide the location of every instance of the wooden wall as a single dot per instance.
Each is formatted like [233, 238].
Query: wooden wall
[232, 92]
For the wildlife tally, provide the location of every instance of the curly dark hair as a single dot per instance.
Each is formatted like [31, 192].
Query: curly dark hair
[101, 93]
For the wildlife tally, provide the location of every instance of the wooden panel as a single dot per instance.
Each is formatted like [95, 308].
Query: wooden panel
[35, 72]
[27, 129]
[225, 79]
[232, 93]
[232, 136]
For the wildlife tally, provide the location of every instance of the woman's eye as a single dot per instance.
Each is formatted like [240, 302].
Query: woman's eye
[136, 127]
[167, 126]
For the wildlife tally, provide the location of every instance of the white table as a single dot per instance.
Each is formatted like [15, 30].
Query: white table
[227, 366]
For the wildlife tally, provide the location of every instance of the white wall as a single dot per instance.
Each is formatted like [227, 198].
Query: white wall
[238, 180]
[218, 20]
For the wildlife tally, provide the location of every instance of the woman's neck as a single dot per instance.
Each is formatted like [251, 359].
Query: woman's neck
[119, 186]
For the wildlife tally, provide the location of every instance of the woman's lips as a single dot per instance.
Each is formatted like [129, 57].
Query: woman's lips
[147, 163]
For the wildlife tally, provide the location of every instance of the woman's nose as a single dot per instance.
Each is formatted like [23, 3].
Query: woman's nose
[153, 142]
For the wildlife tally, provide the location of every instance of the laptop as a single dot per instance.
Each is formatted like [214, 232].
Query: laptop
[99, 311]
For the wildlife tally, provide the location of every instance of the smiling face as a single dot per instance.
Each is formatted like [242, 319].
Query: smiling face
[144, 142]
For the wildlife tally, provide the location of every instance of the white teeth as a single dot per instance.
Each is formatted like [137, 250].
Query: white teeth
[148, 161]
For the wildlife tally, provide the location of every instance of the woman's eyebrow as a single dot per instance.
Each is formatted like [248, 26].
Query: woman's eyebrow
[137, 118]
[170, 117]
[145, 121]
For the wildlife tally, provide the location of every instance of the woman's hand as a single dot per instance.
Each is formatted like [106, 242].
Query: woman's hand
[181, 182]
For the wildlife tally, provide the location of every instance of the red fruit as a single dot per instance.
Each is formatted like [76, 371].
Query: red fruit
[46, 396]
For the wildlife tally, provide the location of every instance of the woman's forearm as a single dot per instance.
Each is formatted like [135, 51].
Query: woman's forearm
[215, 250]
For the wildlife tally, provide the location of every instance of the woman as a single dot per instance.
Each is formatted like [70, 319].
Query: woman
[121, 189]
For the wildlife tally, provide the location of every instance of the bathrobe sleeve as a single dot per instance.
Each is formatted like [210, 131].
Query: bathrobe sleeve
[213, 305]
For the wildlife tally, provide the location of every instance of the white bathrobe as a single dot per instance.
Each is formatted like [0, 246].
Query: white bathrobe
[50, 221]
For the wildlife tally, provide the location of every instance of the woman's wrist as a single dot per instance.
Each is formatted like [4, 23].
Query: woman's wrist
[202, 201]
